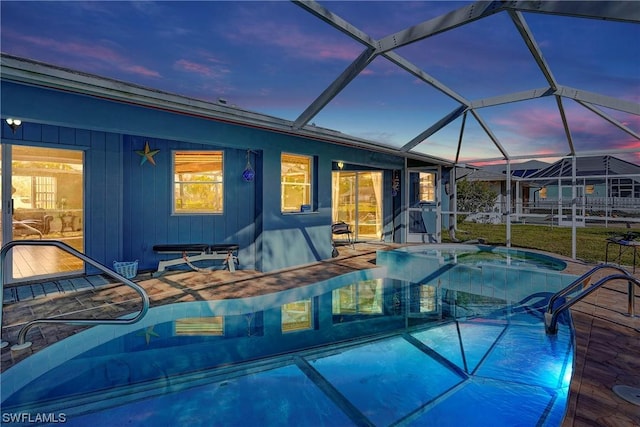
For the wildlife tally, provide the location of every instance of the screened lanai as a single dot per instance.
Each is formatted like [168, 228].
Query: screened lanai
[450, 83]
[460, 81]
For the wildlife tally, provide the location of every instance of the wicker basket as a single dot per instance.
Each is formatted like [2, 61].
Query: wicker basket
[128, 269]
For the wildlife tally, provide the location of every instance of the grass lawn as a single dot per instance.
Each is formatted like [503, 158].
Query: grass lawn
[590, 241]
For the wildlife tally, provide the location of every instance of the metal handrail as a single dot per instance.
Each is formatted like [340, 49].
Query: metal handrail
[85, 322]
[552, 312]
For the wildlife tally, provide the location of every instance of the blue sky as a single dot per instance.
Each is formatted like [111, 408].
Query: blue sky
[276, 58]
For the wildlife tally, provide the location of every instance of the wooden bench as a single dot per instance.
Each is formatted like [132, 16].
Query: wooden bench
[193, 252]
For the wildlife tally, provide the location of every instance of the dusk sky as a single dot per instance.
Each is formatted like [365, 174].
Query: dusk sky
[276, 58]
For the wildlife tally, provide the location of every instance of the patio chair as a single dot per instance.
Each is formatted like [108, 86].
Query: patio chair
[342, 228]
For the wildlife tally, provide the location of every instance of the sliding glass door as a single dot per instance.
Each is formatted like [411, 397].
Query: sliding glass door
[357, 200]
[42, 198]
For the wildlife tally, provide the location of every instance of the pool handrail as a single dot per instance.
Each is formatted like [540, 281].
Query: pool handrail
[22, 344]
[552, 312]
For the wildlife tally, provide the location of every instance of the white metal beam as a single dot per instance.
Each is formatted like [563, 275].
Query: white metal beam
[610, 119]
[488, 131]
[340, 83]
[350, 73]
[440, 24]
[529, 40]
[601, 100]
[622, 11]
[464, 121]
[511, 97]
[508, 208]
[565, 125]
[416, 71]
[336, 21]
[434, 128]
[557, 154]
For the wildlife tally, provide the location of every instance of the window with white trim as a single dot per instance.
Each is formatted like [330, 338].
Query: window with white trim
[296, 182]
[198, 185]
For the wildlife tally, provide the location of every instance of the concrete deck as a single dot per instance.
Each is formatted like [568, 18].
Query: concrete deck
[607, 339]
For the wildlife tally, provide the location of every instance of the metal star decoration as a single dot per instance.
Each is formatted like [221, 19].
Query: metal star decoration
[147, 154]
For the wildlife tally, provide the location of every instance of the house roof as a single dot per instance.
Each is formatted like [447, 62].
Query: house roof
[594, 166]
[480, 175]
[446, 124]
[520, 170]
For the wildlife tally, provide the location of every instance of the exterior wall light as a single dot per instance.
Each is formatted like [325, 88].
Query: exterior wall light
[14, 124]
[340, 165]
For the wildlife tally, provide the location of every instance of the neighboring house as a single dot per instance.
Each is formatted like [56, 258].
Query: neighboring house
[604, 185]
[495, 176]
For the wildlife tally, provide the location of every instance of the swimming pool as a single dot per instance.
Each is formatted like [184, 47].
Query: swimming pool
[360, 349]
[484, 254]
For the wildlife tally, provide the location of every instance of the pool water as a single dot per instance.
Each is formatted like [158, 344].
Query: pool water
[361, 349]
[481, 254]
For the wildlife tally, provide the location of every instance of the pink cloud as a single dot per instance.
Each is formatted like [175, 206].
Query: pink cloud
[193, 67]
[87, 53]
[540, 130]
[140, 70]
[208, 67]
[295, 41]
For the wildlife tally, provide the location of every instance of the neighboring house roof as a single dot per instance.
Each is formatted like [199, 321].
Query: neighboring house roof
[498, 172]
[589, 166]
[521, 170]
[479, 175]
